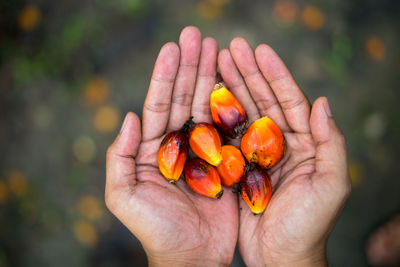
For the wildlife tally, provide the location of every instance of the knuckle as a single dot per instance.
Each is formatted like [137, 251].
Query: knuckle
[266, 104]
[292, 103]
[183, 99]
[254, 74]
[157, 107]
[162, 80]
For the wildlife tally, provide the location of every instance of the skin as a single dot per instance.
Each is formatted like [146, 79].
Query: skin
[311, 183]
[180, 228]
[175, 225]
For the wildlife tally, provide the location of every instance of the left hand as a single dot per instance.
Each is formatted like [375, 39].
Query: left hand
[175, 225]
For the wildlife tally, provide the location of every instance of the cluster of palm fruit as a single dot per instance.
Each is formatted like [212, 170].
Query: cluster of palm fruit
[262, 146]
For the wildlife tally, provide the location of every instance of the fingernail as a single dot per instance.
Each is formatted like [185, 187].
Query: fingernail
[124, 123]
[328, 109]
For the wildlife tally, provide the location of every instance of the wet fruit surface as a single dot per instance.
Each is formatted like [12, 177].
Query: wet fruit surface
[256, 188]
[172, 155]
[203, 178]
[227, 113]
[205, 143]
[232, 166]
[263, 143]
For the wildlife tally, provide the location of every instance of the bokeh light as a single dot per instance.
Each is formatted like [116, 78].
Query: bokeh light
[84, 149]
[29, 18]
[17, 182]
[85, 233]
[375, 48]
[313, 18]
[3, 192]
[42, 116]
[89, 207]
[357, 172]
[106, 119]
[96, 91]
[208, 10]
[286, 11]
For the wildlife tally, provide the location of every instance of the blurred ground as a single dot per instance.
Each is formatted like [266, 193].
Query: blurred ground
[71, 69]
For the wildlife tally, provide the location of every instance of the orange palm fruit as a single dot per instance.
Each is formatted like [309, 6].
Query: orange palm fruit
[205, 143]
[232, 166]
[256, 188]
[203, 178]
[227, 113]
[263, 143]
[172, 155]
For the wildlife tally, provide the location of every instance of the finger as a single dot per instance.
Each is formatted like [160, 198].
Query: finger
[294, 103]
[157, 105]
[205, 82]
[260, 91]
[190, 45]
[120, 163]
[330, 158]
[235, 83]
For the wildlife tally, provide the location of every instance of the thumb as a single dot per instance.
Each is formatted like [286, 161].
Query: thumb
[330, 158]
[120, 162]
[128, 140]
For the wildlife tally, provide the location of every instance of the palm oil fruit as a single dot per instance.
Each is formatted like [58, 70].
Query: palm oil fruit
[205, 143]
[232, 166]
[203, 178]
[263, 143]
[227, 113]
[172, 155]
[256, 188]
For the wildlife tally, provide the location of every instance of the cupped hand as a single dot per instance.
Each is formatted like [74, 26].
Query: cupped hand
[311, 183]
[174, 224]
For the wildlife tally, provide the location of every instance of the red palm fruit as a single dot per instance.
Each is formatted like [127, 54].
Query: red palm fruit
[172, 155]
[203, 178]
[205, 143]
[256, 188]
[263, 143]
[231, 168]
[227, 113]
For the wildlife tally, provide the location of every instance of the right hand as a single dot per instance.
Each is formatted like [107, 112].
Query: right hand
[311, 183]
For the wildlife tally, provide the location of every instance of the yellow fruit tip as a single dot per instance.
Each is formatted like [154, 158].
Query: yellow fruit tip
[218, 162]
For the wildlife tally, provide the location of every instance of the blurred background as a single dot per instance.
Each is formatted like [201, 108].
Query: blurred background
[70, 70]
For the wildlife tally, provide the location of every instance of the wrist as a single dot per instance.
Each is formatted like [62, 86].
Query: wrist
[316, 259]
[158, 260]
[307, 262]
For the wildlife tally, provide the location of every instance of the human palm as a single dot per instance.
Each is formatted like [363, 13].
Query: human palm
[171, 221]
[176, 225]
[311, 182]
